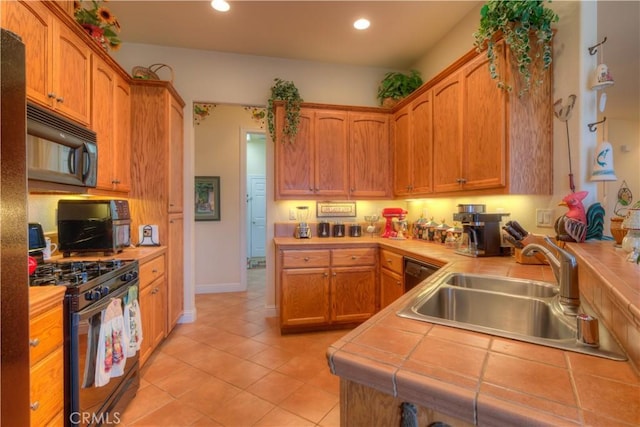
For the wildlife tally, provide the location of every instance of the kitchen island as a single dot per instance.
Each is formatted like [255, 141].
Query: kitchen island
[464, 377]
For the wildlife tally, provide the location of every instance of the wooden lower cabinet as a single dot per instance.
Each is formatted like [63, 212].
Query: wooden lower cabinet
[391, 277]
[46, 356]
[327, 287]
[364, 406]
[153, 306]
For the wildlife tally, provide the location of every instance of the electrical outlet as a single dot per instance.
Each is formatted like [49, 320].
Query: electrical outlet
[292, 214]
[544, 218]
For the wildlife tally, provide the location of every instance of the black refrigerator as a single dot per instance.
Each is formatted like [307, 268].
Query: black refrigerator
[14, 285]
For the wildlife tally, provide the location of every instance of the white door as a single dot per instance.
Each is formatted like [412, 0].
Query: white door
[256, 214]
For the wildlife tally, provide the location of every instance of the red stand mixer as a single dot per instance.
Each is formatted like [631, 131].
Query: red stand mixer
[389, 214]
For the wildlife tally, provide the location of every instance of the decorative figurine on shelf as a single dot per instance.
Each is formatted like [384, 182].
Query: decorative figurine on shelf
[577, 225]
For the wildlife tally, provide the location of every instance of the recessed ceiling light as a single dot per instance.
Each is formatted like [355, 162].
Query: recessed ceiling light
[220, 5]
[361, 24]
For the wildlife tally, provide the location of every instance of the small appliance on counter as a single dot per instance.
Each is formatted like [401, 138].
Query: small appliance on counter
[338, 230]
[480, 231]
[324, 229]
[389, 214]
[302, 231]
[355, 230]
[93, 226]
[37, 242]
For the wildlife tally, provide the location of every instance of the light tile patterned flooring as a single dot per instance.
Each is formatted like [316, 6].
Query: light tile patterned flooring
[233, 368]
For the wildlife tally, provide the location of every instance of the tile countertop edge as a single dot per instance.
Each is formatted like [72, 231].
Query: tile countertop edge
[485, 406]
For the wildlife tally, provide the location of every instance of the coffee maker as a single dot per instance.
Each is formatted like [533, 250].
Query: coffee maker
[480, 233]
[302, 231]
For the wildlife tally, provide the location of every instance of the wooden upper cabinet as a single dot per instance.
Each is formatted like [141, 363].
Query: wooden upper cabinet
[337, 154]
[447, 134]
[111, 120]
[314, 164]
[402, 173]
[330, 133]
[294, 160]
[58, 60]
[413, 147]
[484, 131]
[369, 155]
[176, 155]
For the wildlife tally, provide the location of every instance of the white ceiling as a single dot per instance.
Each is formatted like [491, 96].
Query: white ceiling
[400, 33]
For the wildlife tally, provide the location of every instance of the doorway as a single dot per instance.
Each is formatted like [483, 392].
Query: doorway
[256, 199]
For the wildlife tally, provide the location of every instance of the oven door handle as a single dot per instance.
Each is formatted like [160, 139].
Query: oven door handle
[101, 305]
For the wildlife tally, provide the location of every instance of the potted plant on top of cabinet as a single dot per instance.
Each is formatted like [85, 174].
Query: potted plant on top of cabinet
[288, 92]
[395, 86]
[525, 27]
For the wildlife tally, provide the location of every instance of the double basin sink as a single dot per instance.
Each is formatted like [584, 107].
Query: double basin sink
[525, 310]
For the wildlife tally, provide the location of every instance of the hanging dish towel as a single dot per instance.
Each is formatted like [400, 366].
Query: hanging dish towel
[111, 347]
[133, 322]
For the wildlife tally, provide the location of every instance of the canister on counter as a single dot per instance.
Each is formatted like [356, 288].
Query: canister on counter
[355, 230]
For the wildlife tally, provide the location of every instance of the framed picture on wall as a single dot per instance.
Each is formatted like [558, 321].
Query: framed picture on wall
[207, 198]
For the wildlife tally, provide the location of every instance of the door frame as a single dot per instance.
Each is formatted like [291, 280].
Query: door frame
[243, 201]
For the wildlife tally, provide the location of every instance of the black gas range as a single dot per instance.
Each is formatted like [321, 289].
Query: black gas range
[94, 395]
[87, 281]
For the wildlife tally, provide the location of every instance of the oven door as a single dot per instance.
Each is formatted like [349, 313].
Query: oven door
[91, 404]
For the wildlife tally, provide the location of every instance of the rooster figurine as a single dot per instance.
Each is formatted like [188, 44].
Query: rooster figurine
[578, 225]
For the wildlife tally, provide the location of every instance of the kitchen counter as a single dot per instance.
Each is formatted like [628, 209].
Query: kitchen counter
[140, 253]
[488, 380]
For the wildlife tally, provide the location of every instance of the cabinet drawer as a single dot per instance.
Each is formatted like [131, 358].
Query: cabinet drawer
[47, 383]
[306, 258]
[151, 270]
[45, 334]
[349, 257]
[391, 260]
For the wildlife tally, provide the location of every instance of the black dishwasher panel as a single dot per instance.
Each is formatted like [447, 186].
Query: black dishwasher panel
[415, 272]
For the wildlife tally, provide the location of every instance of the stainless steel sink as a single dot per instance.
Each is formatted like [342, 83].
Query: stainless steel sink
[506, 285]
[525, 310]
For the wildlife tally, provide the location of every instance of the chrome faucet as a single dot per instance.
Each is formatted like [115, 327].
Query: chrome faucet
[565, 269]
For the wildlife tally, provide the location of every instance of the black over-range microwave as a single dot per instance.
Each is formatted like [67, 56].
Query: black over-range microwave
[59, 150]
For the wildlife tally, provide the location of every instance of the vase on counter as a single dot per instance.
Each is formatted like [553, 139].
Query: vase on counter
[617, 231]
[631, 242]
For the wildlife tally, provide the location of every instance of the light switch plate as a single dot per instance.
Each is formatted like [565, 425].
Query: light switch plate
[544, 218]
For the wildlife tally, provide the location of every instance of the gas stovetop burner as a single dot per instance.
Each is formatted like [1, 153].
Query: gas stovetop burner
[73, 273]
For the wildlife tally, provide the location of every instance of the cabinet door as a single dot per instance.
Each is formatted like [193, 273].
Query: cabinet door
[484, 133]
[330, 138]
[369, 155]
[175, 285]
[353, 294]
[294, 160]
[72, 75]
[32, 21]
[122, 135]
[175, 149]
[304, 297]
[447, 134]
[422, 144]
[102, 121]
[152, 313]
[402, 162]
[391, 287]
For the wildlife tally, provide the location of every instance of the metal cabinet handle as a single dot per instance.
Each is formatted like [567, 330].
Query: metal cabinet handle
[35, 405]
[326, 274]
[154, 271]
[60, 100]
[34, 342]
[399, 283]
[306, 259]
[51, 95]
[354, 257]
[334, 274]
[389, 260]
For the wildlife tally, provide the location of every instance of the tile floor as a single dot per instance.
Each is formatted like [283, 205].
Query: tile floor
[233, 368]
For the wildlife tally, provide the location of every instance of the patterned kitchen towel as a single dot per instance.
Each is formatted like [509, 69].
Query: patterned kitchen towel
[111, 347]
[132, 321]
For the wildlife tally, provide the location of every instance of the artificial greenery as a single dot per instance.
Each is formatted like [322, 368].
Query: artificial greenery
[396, 85]
[521, 23]
[285, 91]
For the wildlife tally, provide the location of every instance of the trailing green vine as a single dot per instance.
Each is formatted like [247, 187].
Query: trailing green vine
[285, 91]
[517, 21]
